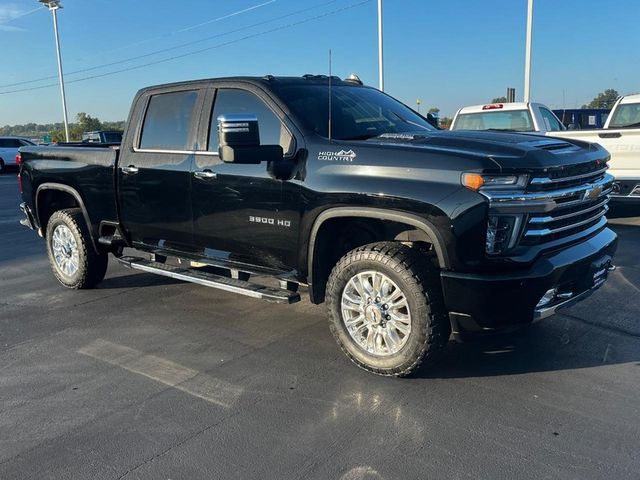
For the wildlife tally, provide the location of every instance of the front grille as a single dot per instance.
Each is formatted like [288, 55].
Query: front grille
[577, 201]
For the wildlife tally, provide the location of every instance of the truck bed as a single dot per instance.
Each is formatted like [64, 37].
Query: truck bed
[90, 171]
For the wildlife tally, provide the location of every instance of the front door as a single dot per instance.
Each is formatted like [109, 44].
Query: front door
[154, 176]
[238, 210]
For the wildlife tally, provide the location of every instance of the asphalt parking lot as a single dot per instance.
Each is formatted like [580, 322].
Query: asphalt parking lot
[146, 377]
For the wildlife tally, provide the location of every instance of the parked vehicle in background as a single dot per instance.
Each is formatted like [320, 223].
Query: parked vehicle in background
[507, 117]
[408, 233]
[102, 136]
[9, 149]
[621, 137]
[583, 118]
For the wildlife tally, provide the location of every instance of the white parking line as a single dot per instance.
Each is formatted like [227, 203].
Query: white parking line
[169, 373]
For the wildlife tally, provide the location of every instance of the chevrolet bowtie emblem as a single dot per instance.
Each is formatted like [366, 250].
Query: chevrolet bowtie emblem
[592, 193]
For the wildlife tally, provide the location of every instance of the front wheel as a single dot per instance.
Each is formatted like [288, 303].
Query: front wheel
[386, 308]
[73, 259]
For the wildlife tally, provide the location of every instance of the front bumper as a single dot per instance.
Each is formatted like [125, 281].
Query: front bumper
[480, 302]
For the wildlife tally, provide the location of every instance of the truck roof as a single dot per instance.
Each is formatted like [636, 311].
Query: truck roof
[635, 98]
[497, 106]
[267, 80]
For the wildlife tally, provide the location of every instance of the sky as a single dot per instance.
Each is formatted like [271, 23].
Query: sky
[447, 53]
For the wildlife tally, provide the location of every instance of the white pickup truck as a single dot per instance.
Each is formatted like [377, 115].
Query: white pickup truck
[620, 135]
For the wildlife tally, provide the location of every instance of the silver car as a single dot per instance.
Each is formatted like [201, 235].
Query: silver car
[9, 149]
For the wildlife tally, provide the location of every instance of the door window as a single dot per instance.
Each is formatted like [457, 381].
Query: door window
[272, 130]
[168, 121]
[10, 143]
[551, 122]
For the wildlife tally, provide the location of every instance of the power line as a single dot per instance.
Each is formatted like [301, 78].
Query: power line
[195, 52]
[191, 27]
[168, 49]
[29, 12]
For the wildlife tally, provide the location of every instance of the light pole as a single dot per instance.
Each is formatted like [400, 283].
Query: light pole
[380, 55]
[527, 57]
[53, 6]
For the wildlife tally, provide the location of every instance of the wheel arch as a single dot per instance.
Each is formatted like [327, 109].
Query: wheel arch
[61, 191]
[418, 228]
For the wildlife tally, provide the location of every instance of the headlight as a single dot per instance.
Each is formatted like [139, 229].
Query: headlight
[475, 181]
[502, 233]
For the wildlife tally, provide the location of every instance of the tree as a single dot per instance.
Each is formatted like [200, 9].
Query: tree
[499, 100]
[604, 99]
[434, 110]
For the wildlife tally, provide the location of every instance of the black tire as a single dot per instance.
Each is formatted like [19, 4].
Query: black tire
[1, 166]
[91, 266]
[419, 282]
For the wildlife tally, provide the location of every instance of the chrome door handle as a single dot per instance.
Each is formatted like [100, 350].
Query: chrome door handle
[130, 170]
[205, 174]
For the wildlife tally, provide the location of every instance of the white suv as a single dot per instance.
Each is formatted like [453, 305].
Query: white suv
[9, 149]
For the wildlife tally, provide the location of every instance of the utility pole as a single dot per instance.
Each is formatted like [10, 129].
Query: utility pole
[380, 49]
[53, 6]
[527, 58]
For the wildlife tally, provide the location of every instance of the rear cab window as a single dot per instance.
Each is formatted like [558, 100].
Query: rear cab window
[169, 121]
[508, 120]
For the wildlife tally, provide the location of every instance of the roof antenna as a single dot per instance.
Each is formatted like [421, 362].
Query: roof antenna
[329, 126]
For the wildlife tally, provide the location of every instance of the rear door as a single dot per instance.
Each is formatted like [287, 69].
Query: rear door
[154, 172]
[241, 212]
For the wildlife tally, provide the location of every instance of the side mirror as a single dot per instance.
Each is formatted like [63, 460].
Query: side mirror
[433, 120]
[239, 141]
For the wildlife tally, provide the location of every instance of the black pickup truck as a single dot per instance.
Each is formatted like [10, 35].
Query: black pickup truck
[408, 233]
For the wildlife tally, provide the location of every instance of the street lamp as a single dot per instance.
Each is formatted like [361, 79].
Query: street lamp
[53, 6]
[527, 56]
[380, 57]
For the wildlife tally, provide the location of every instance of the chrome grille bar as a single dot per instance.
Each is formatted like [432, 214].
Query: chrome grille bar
[548, 218]
[549, 231]
[547, 180]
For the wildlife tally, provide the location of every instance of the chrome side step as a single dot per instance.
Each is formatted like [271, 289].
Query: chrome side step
[270, 294]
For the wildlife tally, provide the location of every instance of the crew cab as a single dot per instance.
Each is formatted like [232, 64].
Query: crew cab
[621, 137]
[259, 186]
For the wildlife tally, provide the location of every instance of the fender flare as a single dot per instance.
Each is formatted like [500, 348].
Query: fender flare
[74, 193]
[370, 212]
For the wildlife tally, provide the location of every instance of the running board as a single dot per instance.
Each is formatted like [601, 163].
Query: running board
[270, 294]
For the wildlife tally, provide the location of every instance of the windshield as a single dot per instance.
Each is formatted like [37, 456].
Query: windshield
[356, 112]
[626, 115]
[509, 120]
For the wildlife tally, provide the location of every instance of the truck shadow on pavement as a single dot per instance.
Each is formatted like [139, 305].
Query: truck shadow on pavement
[559, 343]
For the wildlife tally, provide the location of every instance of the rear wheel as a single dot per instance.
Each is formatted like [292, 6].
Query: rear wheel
[386, 308]
[73, 259]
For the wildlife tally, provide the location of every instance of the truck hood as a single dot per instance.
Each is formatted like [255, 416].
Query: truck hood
[506, 151]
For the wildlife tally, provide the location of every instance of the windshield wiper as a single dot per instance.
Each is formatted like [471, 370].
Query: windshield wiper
[365, 136]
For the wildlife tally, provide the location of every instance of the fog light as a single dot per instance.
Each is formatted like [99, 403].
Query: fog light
[547, 298]
[502, 233]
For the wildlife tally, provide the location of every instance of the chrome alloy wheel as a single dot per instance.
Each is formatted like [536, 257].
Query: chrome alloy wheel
[65, 250]
[376, 313]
